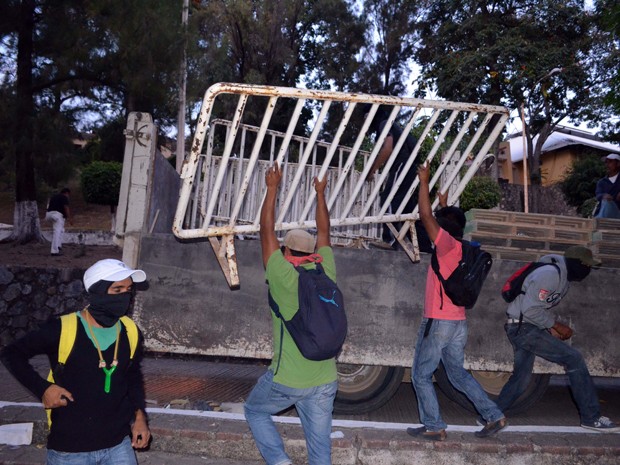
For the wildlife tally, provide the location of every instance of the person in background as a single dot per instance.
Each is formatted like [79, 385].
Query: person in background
[608, 189]
[443, 332]
[291, 378]
[96, 398]
[57, 213]
[533, 330]
[395, 132]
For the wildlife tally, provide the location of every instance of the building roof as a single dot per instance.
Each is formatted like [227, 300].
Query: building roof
[558, 140]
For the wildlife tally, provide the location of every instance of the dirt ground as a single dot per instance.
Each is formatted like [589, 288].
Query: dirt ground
[37, 254]
[86, 217]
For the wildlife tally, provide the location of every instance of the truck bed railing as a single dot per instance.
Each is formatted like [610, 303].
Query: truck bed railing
[223, 183]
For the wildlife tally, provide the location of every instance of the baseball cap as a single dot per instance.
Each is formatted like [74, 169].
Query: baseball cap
[583, 254]
[613, 156]
[113, 270]
[300, 240]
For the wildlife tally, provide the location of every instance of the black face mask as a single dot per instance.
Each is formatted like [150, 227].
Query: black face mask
[576, 270]
[106, 308]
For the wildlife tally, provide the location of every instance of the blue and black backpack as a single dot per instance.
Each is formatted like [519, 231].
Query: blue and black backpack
[319, 327]
[463, 286]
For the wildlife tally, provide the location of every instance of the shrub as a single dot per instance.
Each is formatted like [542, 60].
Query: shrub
[481, 192]
[101, 182]
[579, 184]
[587, 208]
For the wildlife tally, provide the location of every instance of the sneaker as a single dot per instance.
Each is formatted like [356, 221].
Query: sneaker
[602, 424]
[480, 421]
[422, 432]
[492, 428]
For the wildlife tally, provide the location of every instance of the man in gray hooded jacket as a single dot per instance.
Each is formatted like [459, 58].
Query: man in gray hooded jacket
[534, 331]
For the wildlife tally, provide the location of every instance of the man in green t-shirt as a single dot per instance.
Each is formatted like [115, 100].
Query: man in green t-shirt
[291, 378]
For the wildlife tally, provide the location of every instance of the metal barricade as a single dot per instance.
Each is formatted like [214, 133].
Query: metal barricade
[223, 184]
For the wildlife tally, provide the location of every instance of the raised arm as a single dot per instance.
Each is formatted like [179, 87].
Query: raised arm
[424, 201]
[268, 239]
[384, 154]
[322, 214]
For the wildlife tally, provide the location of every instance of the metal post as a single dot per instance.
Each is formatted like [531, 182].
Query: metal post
[182, 89]
[525, 189]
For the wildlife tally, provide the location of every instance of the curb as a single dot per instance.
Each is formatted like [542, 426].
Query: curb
[227, 436]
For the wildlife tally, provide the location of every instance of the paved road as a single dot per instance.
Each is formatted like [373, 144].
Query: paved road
[223, 384]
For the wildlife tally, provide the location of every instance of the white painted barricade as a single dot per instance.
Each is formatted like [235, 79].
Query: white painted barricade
[223, 183]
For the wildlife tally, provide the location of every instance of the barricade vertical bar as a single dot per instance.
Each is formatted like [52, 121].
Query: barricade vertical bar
[293, 187]
[252, 160]
[431, 155]
[230, 140]
[351, 160]
[411, 159]
[481, 155]
[328, 158]
[282, 152]
[384, 172]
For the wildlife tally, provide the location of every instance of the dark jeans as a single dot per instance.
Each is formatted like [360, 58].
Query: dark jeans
[531, 341]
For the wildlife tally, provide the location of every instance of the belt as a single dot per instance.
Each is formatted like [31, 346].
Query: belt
[512, 321]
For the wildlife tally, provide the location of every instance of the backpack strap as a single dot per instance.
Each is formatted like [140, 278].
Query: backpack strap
[435, 267]
[68, 332]
[132, 335]
[275, 308]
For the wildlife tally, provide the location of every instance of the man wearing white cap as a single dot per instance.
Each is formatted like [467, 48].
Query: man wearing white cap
[608, 189]
[96, 397]
[292, 379]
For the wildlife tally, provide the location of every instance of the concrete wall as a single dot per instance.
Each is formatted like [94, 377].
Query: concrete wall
[189, 308]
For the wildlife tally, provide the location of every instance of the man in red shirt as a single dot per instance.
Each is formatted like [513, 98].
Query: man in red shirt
[443, 332]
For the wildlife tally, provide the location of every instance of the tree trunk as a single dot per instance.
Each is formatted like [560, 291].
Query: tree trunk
[26, 225]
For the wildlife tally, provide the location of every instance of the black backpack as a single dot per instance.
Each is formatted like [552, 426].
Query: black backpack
[465, 283]
[319, 327]
[513, 286]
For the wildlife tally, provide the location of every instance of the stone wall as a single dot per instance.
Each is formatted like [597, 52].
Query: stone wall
[31, 296]
[552, 200]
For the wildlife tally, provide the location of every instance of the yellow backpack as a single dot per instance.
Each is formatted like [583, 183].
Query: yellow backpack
[68, 332]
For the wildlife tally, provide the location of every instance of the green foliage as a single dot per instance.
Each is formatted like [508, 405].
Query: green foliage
[538, 54]
[391, 42]
[101, 182]
[579, 183]
[587, 208]
[481, 192]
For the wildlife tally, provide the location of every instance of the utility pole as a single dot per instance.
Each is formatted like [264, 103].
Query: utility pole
[180, 152]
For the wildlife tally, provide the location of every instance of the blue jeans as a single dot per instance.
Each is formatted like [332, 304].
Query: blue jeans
[445, 342]
[122, 454]
[314, 406]
[530, 341]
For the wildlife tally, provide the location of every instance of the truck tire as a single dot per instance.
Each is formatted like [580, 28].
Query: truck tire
[364, 388]
[492, 382]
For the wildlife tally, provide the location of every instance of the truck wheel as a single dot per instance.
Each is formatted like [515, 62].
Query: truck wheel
[364, 388]
[493, 382]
